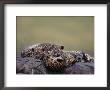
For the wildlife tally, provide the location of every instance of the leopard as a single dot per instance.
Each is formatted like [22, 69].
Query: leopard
[81, 56]
[51, 54]
[48, 53]
[39, 50]
[54, 57]
[59, 63]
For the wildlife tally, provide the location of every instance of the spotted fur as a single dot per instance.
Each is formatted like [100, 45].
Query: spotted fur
[54, 57]
[60, 62]
[55, 63]
[48, 53]
[80, 56]
[44, 49]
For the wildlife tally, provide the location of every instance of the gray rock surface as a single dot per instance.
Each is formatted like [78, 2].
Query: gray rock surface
[35, 66]
[29, 66]
[81, 68]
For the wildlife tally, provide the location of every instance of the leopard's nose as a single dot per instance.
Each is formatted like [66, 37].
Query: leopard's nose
[59, 60]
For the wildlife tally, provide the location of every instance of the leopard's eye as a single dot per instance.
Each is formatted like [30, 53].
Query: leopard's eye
[59, 60]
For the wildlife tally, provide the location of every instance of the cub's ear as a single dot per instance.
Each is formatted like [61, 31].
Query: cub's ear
[62, 47]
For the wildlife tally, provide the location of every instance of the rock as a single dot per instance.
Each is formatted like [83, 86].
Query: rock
[35, 66]
[80, 68]
[29, 66]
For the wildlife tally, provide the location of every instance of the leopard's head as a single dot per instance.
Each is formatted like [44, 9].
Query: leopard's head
[55, 63]
[68, 58]
[28, 52]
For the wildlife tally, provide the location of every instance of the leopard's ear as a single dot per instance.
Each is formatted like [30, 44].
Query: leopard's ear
[32, 49]
[62, 47]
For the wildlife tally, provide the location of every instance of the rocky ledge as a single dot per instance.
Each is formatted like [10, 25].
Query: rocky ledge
[35, 66]
[48, 58]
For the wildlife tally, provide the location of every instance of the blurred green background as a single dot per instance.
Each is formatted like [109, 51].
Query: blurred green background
[74, 32]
